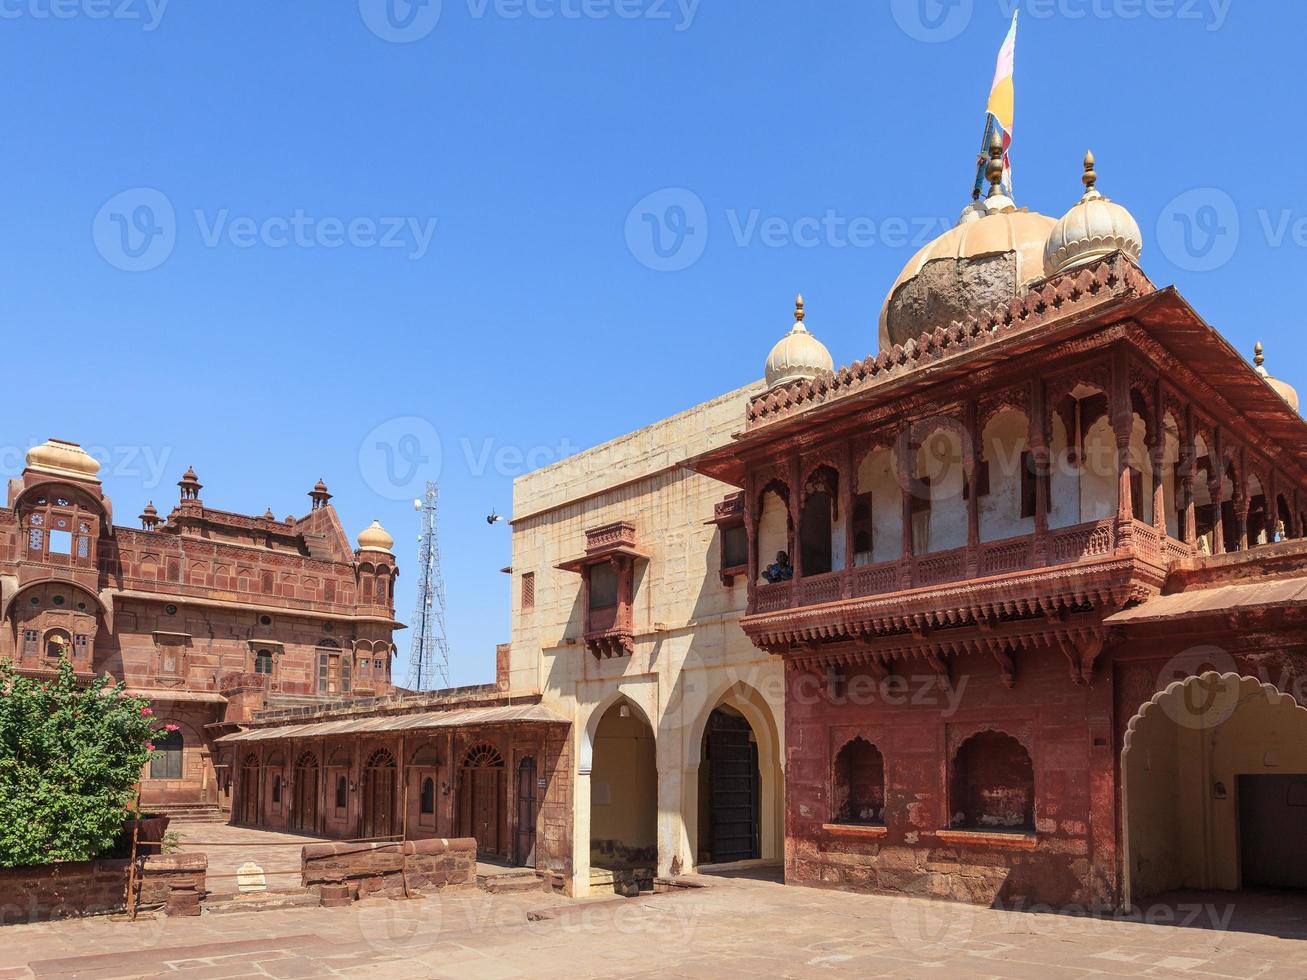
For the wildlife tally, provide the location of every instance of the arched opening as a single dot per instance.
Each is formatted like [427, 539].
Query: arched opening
[992, 785]
[858, 785]
[877, 510]
[1214, 773]
[821, 527]
[730, 790]
[481, 799]
[305, 812]
[939, 510]
[1005, 483]
[624, 793]
[274, 767]
[379, 789]
[528, 811]
[249, 790]
[774, 544]
[58, 644]
[424, 772]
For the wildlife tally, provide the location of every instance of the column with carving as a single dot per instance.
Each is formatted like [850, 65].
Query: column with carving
[796, 522]
[751, 518]
[1242, 499]
[907, 467]
[972, 451]
[1216, 463]
[1123, 423]
[848, 479]
[1187, 471]
[1041, 454]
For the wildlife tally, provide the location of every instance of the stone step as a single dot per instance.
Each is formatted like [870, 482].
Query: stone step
[260, 902]
[509, 882]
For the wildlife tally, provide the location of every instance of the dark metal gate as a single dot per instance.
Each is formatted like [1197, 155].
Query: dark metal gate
[734, 789]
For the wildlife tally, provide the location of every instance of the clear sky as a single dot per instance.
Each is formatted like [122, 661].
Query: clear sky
[284, 239]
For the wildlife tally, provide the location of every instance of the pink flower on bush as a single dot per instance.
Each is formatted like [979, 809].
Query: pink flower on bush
[170, 727]
[146, 712]
[149, 746]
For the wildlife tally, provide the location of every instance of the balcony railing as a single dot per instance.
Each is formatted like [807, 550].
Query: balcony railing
[1082, 542]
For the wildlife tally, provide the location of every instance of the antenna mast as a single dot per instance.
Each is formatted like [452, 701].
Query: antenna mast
[429, 655]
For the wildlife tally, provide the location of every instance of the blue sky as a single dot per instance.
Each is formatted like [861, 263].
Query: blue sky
[279, 240]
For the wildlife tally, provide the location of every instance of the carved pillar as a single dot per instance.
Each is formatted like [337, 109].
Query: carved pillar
[1214, 473]
[752, 515]
[1041, 453]
[971, 432]
[1272, 494]
[907, 482]
[848, 479]
[796, 515]
[1123, 422]
[1156, 458]
[1188, 469]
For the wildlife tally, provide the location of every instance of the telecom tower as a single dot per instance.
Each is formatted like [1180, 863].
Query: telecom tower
[429, 656]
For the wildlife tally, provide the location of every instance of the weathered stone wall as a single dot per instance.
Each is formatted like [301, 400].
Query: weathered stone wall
[919, 721]
[78, 888]
[368, 869]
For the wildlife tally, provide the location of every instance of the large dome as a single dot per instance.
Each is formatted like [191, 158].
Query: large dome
[58, 457]
[982, 261]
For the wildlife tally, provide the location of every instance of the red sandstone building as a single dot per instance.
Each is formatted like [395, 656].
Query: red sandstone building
[209, 614]
[1031, 581]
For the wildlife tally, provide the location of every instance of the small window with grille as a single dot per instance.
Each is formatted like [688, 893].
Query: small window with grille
[528, 590]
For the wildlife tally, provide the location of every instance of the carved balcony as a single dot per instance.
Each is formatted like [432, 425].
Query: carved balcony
[1033, 577]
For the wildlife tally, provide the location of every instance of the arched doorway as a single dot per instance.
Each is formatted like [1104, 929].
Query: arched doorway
[305, 814]
[481, 793]
[379, 810]
[730, 790]
[624, 792]
[249, 790]
[1214, 789]
[528, 809]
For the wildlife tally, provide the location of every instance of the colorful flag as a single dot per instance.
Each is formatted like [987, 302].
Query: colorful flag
[1001, 108]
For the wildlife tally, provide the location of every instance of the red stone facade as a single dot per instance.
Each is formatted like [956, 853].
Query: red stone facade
[210, 614]
[957, 710]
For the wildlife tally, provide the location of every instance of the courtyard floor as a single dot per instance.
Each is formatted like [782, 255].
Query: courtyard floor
[736, 927]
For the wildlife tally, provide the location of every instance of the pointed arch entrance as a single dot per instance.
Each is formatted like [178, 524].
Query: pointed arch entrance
[1214, 789]
[379, 816]
[249, 790]
[623, 791]
[304, 816]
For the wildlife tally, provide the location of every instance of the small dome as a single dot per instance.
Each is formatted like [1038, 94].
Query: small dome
[1093, 228]
[1281, 388]
[798, 355]
[375, 538]
[58, 457]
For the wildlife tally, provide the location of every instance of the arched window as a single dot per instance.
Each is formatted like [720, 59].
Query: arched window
[859, 784]
[57, 644]
[817, 522]
[263, 662]
[342, 792]
[428, 796]
[166, 759]
[992, 786]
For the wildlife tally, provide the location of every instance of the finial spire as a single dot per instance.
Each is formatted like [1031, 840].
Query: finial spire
[994, 171]
[1259, 355]
[1090, 177]
[798, 308]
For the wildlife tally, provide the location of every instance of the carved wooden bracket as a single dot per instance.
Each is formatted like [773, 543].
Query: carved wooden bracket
[1006, 666]
[1082, 648]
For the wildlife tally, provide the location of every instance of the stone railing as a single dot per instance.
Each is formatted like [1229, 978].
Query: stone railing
[1082, 542]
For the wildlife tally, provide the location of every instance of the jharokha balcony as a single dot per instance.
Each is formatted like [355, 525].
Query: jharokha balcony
[1006, 483]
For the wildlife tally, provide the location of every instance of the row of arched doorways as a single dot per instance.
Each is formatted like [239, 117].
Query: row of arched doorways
[377, 801]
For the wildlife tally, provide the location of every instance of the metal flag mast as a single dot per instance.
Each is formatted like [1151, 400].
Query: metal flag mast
[429, 655]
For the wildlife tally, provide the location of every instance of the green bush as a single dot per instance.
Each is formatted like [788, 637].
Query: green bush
[70, 759]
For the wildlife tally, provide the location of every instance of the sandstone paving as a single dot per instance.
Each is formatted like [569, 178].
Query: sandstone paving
[735, 928]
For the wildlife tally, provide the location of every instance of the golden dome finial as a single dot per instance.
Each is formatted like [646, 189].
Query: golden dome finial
[1259, 355]
[1090, 177]
[798, 308]
[994, 171]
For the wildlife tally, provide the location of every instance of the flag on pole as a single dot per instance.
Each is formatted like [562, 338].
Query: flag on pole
[1001, 108]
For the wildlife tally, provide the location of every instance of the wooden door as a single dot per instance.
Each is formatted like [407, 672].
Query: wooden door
[481, 795]
[249, 790]
[379, 796]
[306, 799]
[526, 813]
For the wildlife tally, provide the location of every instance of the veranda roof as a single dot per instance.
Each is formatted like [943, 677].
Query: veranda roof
[426, 721]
